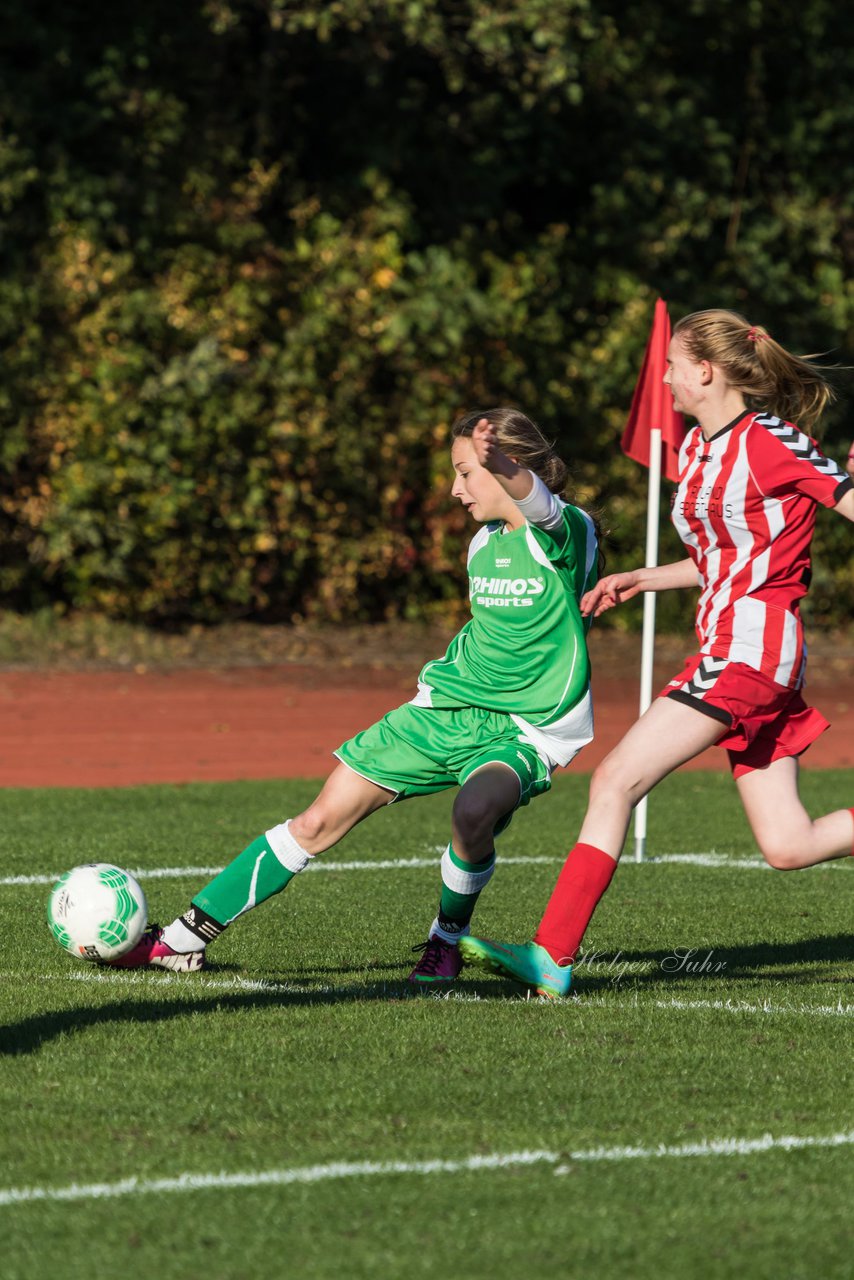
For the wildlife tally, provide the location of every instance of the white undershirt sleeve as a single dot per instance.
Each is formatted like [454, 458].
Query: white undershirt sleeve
[541, 507]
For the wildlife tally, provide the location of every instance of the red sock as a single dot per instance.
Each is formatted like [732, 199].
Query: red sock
[584, 877]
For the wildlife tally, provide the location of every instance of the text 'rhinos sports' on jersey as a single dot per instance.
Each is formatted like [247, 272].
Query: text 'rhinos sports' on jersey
[524, 650]
[490, 593]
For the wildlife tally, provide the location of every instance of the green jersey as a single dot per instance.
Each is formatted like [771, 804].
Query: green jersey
[524, 649]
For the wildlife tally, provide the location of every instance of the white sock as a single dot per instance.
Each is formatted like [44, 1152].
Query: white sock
[287, 849]
[177, 936]
[436, 931]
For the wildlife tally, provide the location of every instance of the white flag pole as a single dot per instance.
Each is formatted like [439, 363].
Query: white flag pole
[648, 638]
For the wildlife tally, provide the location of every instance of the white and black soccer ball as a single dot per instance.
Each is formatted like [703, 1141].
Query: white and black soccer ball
[97, 911]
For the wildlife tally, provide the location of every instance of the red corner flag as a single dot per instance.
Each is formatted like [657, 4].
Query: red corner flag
[652, 403]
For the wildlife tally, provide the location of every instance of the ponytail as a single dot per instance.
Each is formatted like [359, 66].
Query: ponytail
[767, 375]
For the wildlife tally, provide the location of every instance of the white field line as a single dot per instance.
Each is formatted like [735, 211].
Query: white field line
[764, 1008]
[188, 984]
[562, 1163]
[191, 984]
[710, 859]
[176, 873]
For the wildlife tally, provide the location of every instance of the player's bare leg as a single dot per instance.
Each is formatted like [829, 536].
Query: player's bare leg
[667, 735]
[262, 869]
[346, 798]
[786, 834]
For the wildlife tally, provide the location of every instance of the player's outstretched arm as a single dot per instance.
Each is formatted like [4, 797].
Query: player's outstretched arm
[517, 481]
[616, 588]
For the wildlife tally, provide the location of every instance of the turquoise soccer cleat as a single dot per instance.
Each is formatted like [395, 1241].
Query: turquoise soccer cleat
[524, 962]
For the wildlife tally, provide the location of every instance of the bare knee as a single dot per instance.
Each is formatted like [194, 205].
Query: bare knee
[310, 826]
[780, 854]
[610, 780]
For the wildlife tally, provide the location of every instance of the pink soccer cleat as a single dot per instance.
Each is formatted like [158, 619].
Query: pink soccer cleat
[440, 962]
[152, 950]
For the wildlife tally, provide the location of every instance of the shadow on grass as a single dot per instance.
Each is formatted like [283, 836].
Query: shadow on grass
[340, 970]
[747, 962]
[33, 1033]
[776, 961]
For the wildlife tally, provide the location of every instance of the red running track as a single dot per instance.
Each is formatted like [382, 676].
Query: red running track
[109, 728]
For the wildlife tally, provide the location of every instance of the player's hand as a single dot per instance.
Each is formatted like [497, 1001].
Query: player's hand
[608, 592]
[484, 439]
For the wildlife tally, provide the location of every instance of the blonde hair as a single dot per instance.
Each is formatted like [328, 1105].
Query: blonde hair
[768, 376]
[520, 438]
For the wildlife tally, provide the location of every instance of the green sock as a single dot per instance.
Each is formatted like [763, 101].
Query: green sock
[462, 883]
[253, 877]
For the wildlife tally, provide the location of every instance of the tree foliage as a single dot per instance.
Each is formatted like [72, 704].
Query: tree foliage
[257, 255]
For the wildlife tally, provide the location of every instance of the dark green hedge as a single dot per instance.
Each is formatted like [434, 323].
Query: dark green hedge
[258, 255]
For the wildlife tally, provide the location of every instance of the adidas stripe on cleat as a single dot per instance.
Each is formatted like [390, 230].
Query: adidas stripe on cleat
[152, 951]
[525, 962]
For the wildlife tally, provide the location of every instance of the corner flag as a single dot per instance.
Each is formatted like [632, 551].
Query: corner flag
[652, 403]
[653, 436]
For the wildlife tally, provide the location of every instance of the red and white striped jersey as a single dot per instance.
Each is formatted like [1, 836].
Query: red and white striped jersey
[745, 510]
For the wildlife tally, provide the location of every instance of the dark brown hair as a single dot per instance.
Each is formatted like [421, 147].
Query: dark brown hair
[520, 438]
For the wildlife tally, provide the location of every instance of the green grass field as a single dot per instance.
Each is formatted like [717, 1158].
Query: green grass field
[295, 1110]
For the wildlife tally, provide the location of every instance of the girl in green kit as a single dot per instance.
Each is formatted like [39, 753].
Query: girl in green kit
[508, 702]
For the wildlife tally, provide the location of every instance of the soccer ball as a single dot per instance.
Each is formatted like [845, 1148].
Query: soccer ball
[97, 911]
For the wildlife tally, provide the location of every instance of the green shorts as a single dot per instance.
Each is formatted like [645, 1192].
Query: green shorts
[416, 751]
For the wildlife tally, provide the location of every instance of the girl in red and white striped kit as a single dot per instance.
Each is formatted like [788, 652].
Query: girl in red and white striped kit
[745, 507]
